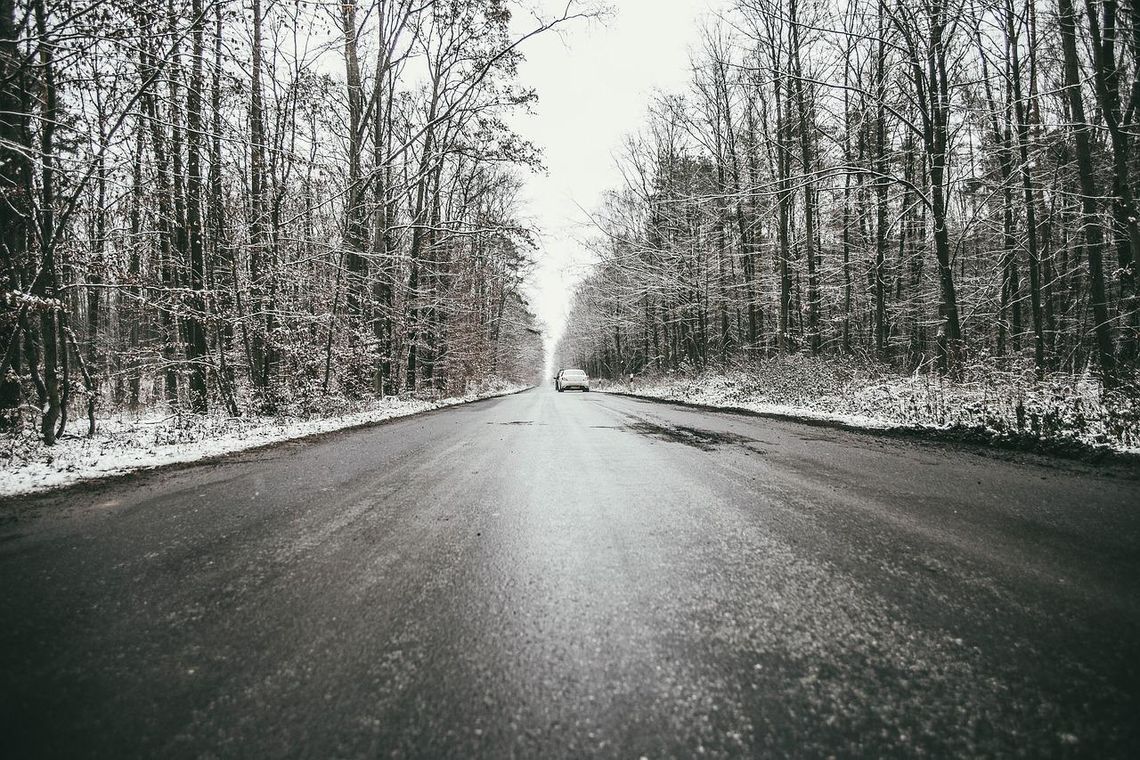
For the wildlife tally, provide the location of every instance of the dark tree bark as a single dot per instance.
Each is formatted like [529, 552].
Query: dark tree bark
[1022, 132]
[882, 184]
[15, 182]
[258, 353]
[1094, 235]
[807, 156]
[197, 352]
[47, 281]
[1120, 123]
[784, 342]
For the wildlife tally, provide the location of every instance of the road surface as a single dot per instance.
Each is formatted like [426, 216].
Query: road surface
[577, 575]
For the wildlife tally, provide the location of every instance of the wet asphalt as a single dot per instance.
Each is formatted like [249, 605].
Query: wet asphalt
[578, 575]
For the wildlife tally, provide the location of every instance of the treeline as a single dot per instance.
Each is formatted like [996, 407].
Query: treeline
[934, 184]
[254, 206]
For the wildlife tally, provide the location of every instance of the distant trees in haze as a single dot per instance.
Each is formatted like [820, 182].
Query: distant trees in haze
[251, 206]
[927, 183]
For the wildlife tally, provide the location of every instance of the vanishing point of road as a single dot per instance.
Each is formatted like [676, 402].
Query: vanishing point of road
[555, 575]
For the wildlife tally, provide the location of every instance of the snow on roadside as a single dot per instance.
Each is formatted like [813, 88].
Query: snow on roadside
[126, 444]
[723, 394]
[1058, 411]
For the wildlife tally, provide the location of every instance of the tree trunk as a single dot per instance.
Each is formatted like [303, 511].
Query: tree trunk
[1094, 235]
[807, 155]
[258, 353]
[15, 180]
[1022, 133]
[881, 185]
[1125, 215]
[48, 279]
[197, 352]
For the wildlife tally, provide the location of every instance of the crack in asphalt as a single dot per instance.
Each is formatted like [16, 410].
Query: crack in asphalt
[698, 438]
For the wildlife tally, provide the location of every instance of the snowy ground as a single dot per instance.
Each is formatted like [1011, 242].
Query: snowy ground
[124, 444]
[1058, 410]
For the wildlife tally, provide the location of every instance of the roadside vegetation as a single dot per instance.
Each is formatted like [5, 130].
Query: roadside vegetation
[924, 213]
[1055, 414]
[128, 442]
[215, 210]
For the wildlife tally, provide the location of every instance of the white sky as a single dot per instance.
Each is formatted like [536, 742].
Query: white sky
[594, 82]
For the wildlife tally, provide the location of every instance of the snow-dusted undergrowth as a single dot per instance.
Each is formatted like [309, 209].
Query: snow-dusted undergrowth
[125, 443]
[1059, 409]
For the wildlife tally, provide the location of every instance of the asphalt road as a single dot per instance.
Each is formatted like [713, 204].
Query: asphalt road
[575, 575]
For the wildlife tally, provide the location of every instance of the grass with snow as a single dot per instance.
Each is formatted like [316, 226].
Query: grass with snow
[1012, 405]
[125, 443]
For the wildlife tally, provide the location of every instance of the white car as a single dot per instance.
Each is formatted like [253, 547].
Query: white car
[572, 378]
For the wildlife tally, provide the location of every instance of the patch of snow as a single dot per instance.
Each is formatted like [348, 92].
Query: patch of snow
[1056, 410]
[126, 444]
[718, 395]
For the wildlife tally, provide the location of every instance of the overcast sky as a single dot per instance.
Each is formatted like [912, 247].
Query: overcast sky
[594, 83]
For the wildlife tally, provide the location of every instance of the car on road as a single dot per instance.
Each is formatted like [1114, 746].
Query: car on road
[573, 378]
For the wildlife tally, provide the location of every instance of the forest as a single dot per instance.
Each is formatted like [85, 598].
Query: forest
[943, 187]
[256, 207]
